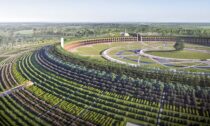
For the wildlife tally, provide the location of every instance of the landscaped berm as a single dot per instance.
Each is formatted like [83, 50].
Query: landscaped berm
[115, 81]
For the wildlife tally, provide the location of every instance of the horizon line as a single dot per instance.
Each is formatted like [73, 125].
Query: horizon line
[196, 22]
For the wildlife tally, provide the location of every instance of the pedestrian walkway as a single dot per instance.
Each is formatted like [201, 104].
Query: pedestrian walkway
[17, 88]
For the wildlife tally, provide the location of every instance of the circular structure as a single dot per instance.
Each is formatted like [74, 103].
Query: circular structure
[161, 60]
[51, 86]
[153, 55]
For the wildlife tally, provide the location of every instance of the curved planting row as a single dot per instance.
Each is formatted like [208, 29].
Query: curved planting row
[130, 83]
[68, 90]
[33, 111]
[53, 86]
[9, 60]
[101, 80]
[100, 101]
[45, 111]
[9, 76]
[23, 108]
[13, 113]
[73, 76]
[6, 77]
[193, 79]
[187, 100]
[90, 92]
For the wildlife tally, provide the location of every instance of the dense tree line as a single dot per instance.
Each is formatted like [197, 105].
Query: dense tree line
[19, 32]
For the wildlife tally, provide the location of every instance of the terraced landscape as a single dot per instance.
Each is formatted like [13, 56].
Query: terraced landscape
[49, 85]
[104, 63]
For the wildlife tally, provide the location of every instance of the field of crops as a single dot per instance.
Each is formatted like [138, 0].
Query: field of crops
[69, 89]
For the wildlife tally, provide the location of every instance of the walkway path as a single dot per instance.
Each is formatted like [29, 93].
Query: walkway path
[161, 108]
[17, 88]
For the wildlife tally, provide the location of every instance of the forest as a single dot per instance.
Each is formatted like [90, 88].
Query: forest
[13, 34]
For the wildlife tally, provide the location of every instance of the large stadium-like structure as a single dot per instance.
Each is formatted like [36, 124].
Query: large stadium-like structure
[163, 60]
[51, 85]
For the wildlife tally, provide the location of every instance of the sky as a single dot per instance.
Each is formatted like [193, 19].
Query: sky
[104, 10]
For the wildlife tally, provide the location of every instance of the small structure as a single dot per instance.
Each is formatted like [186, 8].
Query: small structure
[141, 39]
[62, 42]
[139, 36]
[124, 34]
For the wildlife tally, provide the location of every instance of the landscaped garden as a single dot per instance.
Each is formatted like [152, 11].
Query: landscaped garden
[72, 88]
[184, 54]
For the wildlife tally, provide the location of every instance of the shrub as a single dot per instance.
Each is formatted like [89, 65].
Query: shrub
[179, 45]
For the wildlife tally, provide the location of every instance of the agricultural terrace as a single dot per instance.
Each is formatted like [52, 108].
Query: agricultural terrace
[77, 86]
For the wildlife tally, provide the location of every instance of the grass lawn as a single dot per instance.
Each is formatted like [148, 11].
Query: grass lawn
[153, 66]
[145, 59]
[124, 60]
[199, 47]
[94, 52]
[185, 54]
[97, 48]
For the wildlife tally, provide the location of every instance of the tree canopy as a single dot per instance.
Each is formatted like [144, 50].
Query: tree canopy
[179, 45]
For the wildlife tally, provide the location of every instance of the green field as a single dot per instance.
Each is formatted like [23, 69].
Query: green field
[94, 51]
[44, 84]
[82, 91]
[185, 54]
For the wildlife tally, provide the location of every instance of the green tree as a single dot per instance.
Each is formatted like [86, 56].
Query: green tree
[179, 45]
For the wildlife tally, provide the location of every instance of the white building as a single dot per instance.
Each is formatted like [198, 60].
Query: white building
[124, 34]
[62, 42]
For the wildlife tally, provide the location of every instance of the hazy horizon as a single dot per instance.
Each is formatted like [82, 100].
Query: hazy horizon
[104, 11]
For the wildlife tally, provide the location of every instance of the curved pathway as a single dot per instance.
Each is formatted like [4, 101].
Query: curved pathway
[167, 62]
[17, 88]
